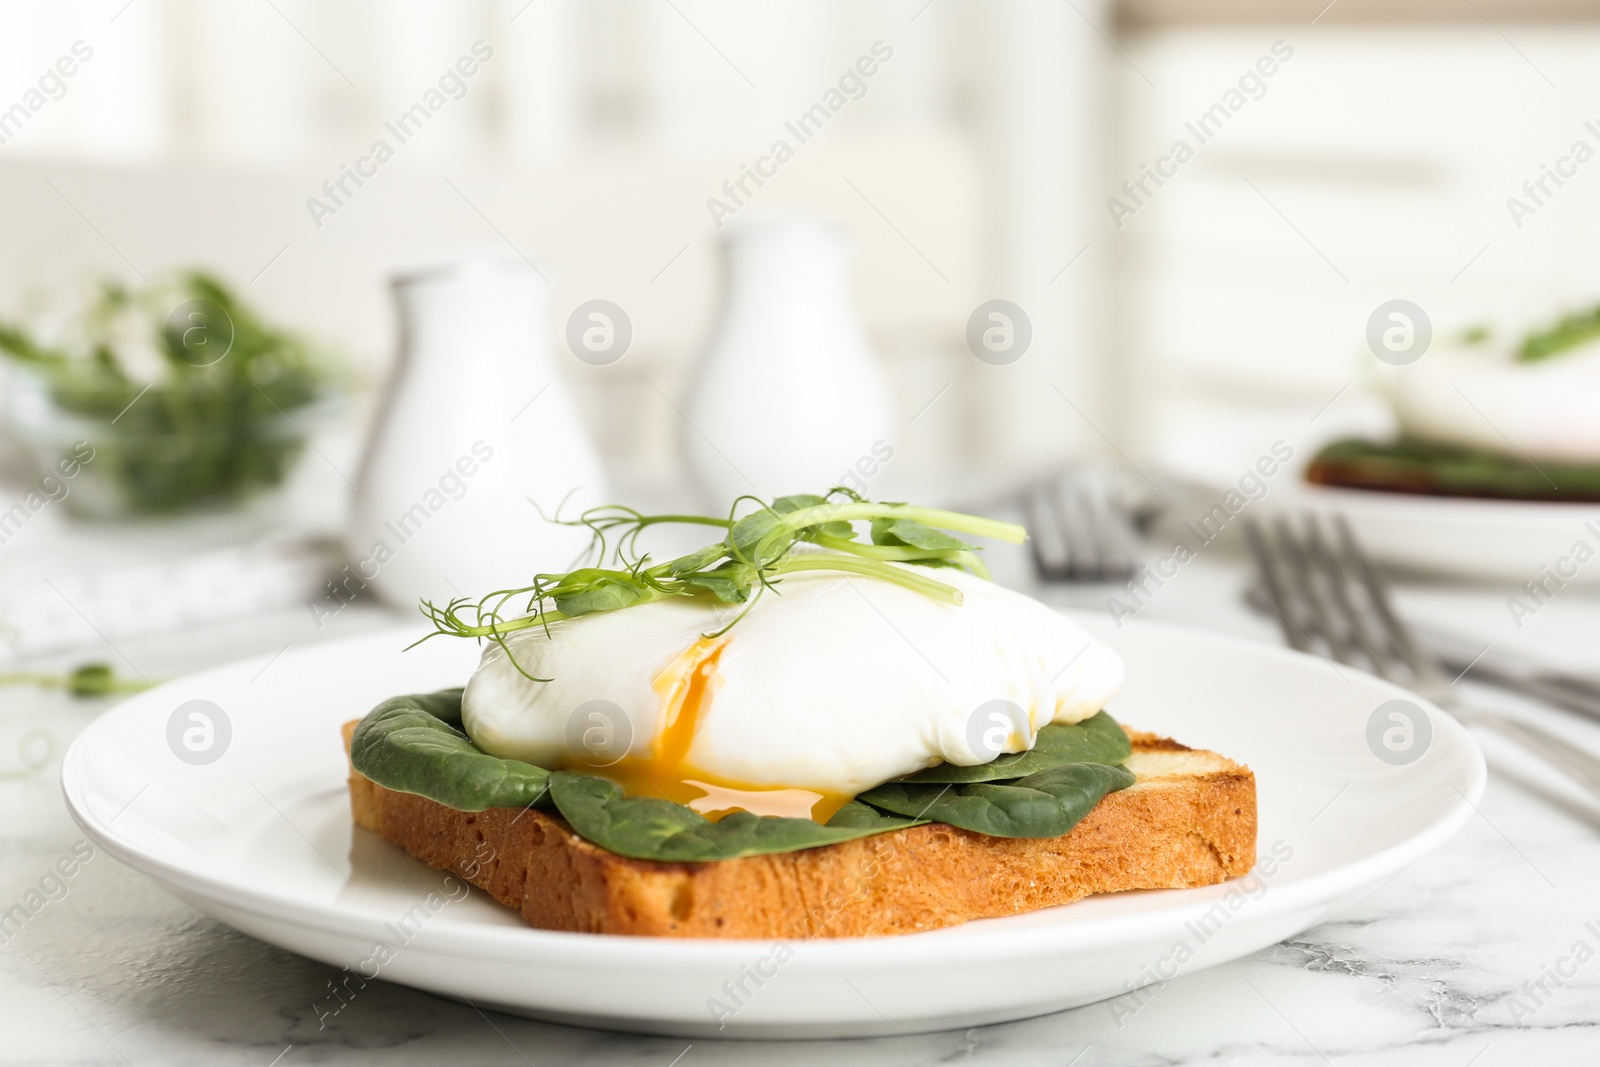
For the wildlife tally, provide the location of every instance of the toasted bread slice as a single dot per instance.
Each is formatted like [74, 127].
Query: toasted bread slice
[1189, 820]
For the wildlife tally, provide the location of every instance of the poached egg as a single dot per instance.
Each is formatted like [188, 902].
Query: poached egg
[830, 685]
[1486, 399]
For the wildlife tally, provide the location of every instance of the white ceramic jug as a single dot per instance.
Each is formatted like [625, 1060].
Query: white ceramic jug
[788, 397]
[477, 426]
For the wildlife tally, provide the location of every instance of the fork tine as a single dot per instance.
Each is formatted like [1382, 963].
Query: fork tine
[1302, 579]
[1424, 667]
[1339, 577]
[1083, 551]
[1427, 675]
[1077, 530]
[1267, 566]
[1373, 631]
[1044, 540]
[1087, 508]
[1060, 507]
[1114, 531]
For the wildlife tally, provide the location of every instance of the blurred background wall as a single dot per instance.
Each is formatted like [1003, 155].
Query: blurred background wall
[969, 168]
[1375, 163]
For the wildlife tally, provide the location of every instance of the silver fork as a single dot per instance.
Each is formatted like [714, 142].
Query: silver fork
[1078, 531]
[1323, 587]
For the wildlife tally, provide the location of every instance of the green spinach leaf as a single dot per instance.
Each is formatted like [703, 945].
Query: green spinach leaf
[1097, 739]
[649, 828]
[414, 744]
[1046, 804]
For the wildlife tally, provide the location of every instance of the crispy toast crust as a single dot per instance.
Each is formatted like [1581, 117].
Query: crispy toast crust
[1189, 820]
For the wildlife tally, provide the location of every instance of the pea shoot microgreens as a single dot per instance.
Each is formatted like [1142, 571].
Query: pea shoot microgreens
[791, 534]
[1572, 331]
[88, 680]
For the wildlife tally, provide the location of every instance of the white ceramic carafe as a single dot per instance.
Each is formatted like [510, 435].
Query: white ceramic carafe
[788, 397]
[476, 428]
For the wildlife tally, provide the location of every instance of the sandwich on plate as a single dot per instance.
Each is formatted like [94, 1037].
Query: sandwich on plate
[828, 723]
[1484, 417]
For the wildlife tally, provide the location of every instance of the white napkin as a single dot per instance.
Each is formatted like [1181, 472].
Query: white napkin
[41, 614]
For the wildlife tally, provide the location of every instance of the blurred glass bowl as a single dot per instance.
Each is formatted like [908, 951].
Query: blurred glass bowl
[165, 453]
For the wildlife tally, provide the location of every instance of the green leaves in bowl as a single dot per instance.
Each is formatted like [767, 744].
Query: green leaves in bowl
[189, 396]
[416, 744]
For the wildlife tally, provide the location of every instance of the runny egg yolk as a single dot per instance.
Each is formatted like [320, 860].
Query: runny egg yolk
[686, 687]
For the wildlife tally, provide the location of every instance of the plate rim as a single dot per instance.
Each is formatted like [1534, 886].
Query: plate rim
[517, 942]
[1509, 508]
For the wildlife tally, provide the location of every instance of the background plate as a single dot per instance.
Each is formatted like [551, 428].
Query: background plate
[261, 839]
[1493, 540]
[1507, 540]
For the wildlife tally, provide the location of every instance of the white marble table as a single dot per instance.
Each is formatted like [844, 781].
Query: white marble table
[1442, 965]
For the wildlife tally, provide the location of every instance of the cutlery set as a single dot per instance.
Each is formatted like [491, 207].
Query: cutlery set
[1327, 597]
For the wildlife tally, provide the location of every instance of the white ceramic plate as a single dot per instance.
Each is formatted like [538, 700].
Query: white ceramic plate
[1506, 540]
[262, 840]
[1498, 540]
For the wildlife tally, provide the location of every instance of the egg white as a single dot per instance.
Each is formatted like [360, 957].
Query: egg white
[1545, 410]
[831, 683]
